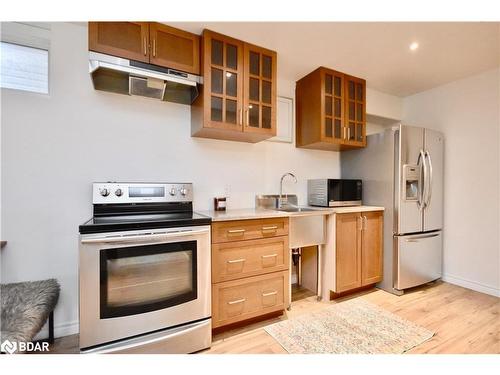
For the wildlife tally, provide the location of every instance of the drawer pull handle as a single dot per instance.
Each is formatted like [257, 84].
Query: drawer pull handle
[269, 294]
[236, 261]
[237, 301]
[269, 256]
[274, 227]
[236, 231]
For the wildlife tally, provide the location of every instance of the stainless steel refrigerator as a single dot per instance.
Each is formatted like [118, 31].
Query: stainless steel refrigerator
[402, 170]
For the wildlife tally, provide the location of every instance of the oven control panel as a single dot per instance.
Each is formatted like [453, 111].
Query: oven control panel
[128, 192]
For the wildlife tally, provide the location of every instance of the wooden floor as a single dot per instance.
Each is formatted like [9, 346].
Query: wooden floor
[464, 321]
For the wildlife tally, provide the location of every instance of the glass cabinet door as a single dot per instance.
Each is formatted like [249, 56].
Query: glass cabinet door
[223, 86]
[355, 121]
[259, 90]
[333, 94]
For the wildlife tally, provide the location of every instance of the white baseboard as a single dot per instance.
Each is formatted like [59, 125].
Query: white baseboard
[478, 287]
[60, 330]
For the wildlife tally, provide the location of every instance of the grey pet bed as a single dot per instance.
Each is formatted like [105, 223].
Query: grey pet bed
[25, 308]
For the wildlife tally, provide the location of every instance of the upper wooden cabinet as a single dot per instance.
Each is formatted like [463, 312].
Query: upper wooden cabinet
[238, 100]
[355, 111]
[129, 40]
[148, 42]
[174, 48]
[330, 111]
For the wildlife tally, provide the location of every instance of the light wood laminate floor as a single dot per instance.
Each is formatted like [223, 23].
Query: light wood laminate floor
[464, 321]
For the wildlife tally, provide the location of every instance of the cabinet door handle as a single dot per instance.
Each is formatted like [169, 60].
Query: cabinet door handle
[269, 294]
[247, 117]
[240, 116]
[269, 256]
[236, 231]
[233, 231]
[365, 222]
[360, 219]
[145, 47]
[154, 47]
[348, 133]
[345, 133]
[273, 228]
[237, 301]
[241, 260]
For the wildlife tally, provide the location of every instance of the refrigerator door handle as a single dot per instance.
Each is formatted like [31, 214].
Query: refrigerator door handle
[422, 190]
[415, 239]
[429, 189]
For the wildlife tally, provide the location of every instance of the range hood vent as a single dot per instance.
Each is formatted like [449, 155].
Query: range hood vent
[149, 87]
[130, 77]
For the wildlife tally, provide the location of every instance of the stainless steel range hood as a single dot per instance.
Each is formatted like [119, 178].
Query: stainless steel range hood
[122, 76]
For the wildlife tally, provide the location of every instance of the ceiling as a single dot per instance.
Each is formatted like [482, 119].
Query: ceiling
[376, 51]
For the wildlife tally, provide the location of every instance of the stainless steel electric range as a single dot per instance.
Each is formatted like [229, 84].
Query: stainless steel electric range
[145, 271]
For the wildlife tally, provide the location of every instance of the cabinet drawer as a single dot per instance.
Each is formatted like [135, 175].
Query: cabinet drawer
[233, 301]
[234, 260]
[238, 230]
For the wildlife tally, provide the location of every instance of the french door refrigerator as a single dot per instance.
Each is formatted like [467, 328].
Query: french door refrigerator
[402, 170]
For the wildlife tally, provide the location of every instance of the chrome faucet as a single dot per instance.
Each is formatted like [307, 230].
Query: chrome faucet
[281, 201]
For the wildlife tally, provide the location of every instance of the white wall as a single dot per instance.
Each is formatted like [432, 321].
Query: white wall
[54, 147]
[467, 112]
[383, 105]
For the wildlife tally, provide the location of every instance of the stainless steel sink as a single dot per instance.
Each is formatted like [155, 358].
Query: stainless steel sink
[295, 209]
[284, 203]
[275, 201]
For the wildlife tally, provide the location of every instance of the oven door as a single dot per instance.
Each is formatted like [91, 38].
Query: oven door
[137, 282]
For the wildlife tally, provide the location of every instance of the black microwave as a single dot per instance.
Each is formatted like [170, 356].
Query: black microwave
[334, 193]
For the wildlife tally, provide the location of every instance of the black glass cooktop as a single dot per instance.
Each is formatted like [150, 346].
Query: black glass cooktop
[115, 223]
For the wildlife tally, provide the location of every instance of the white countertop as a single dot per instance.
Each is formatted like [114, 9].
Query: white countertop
[253, 213]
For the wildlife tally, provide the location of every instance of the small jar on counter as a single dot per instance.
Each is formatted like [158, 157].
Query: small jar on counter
[220, 204]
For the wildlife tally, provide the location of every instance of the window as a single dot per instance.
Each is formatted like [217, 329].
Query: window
[24, 68]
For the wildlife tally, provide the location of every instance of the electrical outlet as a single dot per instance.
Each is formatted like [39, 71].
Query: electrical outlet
[227, 191]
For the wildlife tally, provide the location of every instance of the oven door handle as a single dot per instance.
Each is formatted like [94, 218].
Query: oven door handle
[154, 237]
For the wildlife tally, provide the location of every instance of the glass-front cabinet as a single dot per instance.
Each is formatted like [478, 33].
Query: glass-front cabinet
[333, 99]
[223, 81]
[260, 90]
[238, 100]
[330, 111]
[355, 111]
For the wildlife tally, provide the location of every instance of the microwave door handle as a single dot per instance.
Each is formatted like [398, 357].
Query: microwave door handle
[430, 181]
[156, 237]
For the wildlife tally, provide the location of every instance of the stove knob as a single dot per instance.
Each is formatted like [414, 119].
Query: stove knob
[104, 192]
[172, 191]
[118, 192]
[183, 191]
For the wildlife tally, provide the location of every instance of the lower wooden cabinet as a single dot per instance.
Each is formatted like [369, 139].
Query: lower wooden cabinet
[250, 262]
[371, 248]
[235, 260]
[233, 301]
[358, 250]
[348, 252]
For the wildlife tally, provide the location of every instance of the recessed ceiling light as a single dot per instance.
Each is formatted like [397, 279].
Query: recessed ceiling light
[414, 46]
